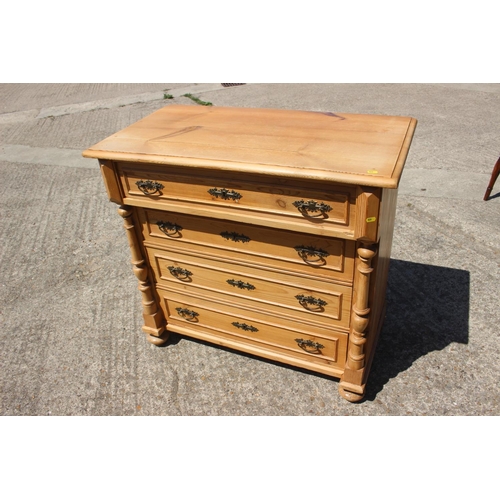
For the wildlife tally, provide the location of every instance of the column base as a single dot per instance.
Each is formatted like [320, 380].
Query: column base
[157, 340]
[352, 392]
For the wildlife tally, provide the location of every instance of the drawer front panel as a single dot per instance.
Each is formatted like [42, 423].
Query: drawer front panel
[301, 298]
[308, 204]
[311, 343]
[302, 254]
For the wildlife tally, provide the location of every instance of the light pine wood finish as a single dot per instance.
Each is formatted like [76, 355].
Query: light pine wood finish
[153, 319]
[252, 246]
[256, 201]
[366, 150]
[255, 331]
[266, 289]
[266, 231]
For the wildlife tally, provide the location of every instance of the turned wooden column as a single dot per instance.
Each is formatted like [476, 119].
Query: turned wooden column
[360, 311]
[154, 323]
[351, 387]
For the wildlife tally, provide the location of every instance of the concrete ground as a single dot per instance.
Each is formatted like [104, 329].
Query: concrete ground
[70, 337]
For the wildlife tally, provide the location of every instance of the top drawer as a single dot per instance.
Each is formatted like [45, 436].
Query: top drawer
[280, 202]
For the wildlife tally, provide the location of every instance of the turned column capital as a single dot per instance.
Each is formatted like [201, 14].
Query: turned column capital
[366, 252]
[124, 211]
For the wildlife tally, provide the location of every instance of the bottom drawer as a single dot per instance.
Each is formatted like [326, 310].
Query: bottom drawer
[316, 345]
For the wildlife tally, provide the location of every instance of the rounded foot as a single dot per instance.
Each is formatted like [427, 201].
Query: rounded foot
[352, 397]
[157, 340]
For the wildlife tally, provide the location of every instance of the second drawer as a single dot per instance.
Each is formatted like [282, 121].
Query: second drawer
[287, 251]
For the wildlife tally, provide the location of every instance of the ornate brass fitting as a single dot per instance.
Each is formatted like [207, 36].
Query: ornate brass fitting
[149, 187]
[244, 326]
[309, 345]
[235, 237]
[309, 300]
[169, 228]
[311, 206]
[241, 284]
[225, 194]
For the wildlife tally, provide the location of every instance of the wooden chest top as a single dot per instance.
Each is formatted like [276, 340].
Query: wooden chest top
[357, 149]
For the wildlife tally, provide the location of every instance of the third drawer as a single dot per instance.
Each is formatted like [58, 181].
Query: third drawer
[303, 298]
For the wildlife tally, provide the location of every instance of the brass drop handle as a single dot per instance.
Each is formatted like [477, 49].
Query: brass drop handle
[169, 228]
[244, 326]
[186, 313]
[179, 272]
[309, 345]
[149, 187]
[225, 194]
[317, 254]
[311, 206]
[309, 300]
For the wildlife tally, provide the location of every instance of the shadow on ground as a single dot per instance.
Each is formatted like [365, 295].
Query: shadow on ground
[427, 309]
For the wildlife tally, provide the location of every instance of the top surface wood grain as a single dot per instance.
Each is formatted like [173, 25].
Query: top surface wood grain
[352, 148]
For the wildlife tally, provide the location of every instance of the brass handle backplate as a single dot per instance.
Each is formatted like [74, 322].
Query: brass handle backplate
[244, 326]
[179, 272]
[169, 228]
[309, 300]
[235, 236]
[149, 187]
[241, 284]
[186, 313]
[311, 206]
[318, 255]
[309, 345]
[225, 194]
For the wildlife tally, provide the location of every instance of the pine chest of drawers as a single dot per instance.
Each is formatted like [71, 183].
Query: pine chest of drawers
[266, 231]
